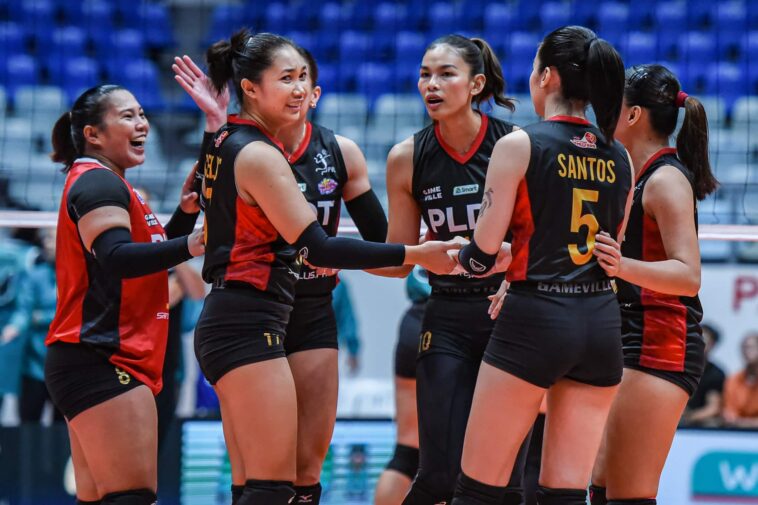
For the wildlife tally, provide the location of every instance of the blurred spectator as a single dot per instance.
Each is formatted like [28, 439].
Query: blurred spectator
[704, 408]
[347, 325]
[16, 259]
[741, 389]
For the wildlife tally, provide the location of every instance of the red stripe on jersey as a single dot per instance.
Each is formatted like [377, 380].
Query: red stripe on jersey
[653, 158]
[664, 331]
[251, 256]
[570, 119]
[465, 157]
[295, 156]
[235, 119]
[522, 228]
[143, 307]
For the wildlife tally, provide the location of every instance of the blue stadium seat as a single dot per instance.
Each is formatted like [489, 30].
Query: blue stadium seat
[554, 15]
[78, 74]
[34, 13]
[671, 22]
[332, 16]
[584, 13]
[697, 47]
[123, 44]
[277, 18]
[375, 79]
[529, 13]
[749, 47]
[96, 20]
[729, 25]
[155, 22]
[68, 42]
[141, 78]
[307, 39]
[328, 78]
[390, 17]
[443, 20]
[727, 81]
[612, 21]
[225, 20]
[18, 70]
[698, 13]
[523, 47]
[11, 39]
[499, 19]
[355, 48]
[641, 14]
[752, 15]
[358, 15]
[638, 48]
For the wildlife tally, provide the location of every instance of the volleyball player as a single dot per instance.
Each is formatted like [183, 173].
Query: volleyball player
[438, 175]
[395, 480]
[554, 185]
[108, 337]
[329, 168]
[258, 226]
[658, 272]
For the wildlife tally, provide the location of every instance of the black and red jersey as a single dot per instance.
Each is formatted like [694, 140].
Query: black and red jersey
[449, 187]
[664, 321]
[321, 175]
[125, 319]
[241, 244]
[576, 185]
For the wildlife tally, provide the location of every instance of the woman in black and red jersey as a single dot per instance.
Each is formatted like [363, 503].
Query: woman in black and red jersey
[258, 227]
[658, 272]
[438, 175]
[108, 336]
[329, 168]
[554, 185]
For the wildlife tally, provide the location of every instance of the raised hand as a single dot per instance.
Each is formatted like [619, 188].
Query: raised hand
[608, 253]
[197, 85]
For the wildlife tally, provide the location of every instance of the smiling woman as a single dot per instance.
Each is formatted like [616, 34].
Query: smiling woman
[108, 337]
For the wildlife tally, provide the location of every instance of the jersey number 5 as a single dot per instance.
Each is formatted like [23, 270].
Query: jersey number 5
[578, 220]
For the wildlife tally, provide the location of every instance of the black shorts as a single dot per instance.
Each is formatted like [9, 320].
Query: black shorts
[406, 349]
[456, 325]
[312, 325]
[684, 362]
[79, 377]
[239, 326]
[542, 337]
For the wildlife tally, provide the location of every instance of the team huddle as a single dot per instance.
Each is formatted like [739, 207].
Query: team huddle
[562, 259]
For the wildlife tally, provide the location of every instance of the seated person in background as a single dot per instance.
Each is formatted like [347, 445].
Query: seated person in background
[704, 408]
[741, 389]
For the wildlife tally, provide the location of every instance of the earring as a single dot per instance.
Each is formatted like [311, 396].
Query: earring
[313, 105]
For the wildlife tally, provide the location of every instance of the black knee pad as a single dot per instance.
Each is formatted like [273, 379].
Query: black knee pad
[270, 492]
[513, 496]
[308, 494]
[634, 501]
[405, 460]
[130, 497]
[237, 493]
[82, 502]
[469, 491]
[597, 495]
[431, 488]
[549, 496]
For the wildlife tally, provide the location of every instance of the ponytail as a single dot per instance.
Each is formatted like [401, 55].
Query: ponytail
[245, 56]
[68, 133]
[480, 57]
[692, 147]
[591, 71]
[494, 85]
[657, 89]
[605, 76]
[64, 150]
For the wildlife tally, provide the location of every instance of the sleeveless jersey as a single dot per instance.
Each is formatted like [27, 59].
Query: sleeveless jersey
[321, 175]
[125, 319]
[662, 320]
[449, 187]
[576, 185]
[241, 244]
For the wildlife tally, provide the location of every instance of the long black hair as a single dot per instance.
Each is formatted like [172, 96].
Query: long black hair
[591, 70]
[480, 57]
[657, 89]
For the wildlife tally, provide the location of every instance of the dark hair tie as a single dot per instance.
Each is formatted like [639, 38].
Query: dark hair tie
[680, 99]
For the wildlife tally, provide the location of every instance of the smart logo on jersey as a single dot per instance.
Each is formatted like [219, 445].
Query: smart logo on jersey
[321, 159]
[221, 138]
[327, 186]
[465, 190]
[589, 141]
[139, 196]
[720, 477]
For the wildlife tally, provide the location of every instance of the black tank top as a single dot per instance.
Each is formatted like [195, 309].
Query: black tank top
[241, 244]
[643, 242]
[449, 187]
[321, 174]
[576, 185]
